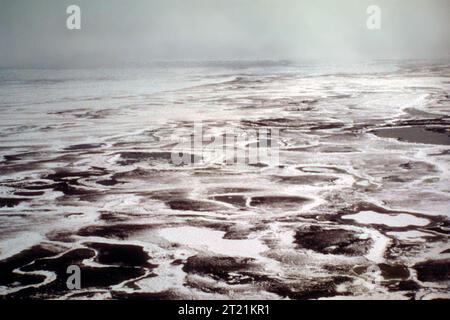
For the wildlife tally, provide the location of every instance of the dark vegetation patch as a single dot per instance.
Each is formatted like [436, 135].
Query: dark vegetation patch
[241, 271]
[192, 205]
[332, 241]
[29, 193]
[114, 216]
[117, 231]
[85, 146]
[136, 173]
[67, 182]
[228, 269]
[416, 134]
[404, 285]
[109, 182]
[11, 202]
[38, 185]
[155, 158]
[279, 202]
[308, 289]
[258, 165]
[12, 157]
[91, 277]
[68, 175]
[394, 271]
[120, 255]
[11, 279]
[433, 270]
[68, 189]
[312, 180]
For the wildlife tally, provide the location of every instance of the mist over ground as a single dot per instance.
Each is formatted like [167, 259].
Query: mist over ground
[118, 33]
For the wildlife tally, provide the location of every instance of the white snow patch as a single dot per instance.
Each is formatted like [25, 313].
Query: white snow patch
[212, 240]
[391, 220]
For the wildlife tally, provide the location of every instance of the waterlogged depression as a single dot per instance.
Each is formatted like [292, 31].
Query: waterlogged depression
[356, 205]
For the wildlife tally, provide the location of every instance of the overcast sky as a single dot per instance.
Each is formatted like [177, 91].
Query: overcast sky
[34, 33]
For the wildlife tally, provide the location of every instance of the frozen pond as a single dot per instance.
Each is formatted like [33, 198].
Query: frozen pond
[209, 240]
[392, 220]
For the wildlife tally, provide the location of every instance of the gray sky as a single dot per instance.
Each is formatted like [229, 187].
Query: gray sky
[115, 32]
